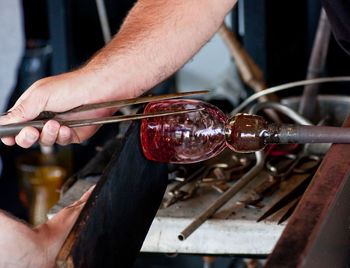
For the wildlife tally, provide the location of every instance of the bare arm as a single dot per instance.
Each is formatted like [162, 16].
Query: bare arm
[156, 39]
[22, 246]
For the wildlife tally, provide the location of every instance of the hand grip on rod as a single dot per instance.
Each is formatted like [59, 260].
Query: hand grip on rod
[14, 129]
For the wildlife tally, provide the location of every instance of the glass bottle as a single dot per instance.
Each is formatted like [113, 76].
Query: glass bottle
[197, 136]
[41, 175]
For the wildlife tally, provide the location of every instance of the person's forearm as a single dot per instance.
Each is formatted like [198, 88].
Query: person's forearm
[156, 39]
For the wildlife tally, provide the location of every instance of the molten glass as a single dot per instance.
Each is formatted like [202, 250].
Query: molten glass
[197, 136]
[183, 138]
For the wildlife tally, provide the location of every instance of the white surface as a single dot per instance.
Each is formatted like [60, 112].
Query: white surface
[213, 237]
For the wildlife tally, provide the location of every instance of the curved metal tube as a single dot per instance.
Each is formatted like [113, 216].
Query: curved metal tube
[287, 86]
[287, 111]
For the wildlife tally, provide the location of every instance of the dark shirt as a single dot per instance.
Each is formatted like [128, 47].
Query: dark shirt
[338, 12]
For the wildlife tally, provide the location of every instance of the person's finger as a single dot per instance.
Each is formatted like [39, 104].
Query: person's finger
[49, 133]
[80, 134]
[65, 136]
[27, 137]
[9, 141]
[25, 110]
[83, 198]
[53, 233]
[61, 224]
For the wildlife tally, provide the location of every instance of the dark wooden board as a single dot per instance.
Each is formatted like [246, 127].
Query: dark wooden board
[115, 220]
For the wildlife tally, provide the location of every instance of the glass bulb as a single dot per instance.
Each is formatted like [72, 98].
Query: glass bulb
[246, 133]
[183, 138]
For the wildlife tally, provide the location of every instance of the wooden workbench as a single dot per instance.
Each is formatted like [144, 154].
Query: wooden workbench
[240, 234]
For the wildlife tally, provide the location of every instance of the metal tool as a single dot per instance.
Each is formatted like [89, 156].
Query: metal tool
[175, 193]
[298, 164]
[214, 176]
[39, 122]
[281, 168]
[289, 209]
[295, 193]
[224, 197]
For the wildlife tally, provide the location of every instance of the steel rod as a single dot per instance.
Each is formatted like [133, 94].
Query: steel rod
[313, 134]
[121, 103]
[14, 129]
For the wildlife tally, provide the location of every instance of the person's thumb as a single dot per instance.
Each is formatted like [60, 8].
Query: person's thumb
[25, 109]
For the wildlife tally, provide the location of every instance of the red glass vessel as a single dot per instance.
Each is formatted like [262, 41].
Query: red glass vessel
[183, 138]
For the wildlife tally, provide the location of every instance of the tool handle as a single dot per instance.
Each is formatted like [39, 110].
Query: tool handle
[13, 129]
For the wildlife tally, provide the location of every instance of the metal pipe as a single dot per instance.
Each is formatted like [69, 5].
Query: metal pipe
[282, 109]
[313, 134]
[102, 15]
[308, 101]
[305, 133]
[282, 87]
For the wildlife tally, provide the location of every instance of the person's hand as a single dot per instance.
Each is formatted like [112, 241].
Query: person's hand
[57, 93]
[21, 246]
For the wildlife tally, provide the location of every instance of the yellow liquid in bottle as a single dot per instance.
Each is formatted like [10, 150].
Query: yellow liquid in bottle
[40, 181]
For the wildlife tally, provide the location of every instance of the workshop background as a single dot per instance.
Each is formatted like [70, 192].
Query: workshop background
[62, 34]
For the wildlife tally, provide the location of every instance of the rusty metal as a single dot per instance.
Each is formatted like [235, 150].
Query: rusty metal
[317, 234]
[214, 174]
[289, 209]
[297, 190]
